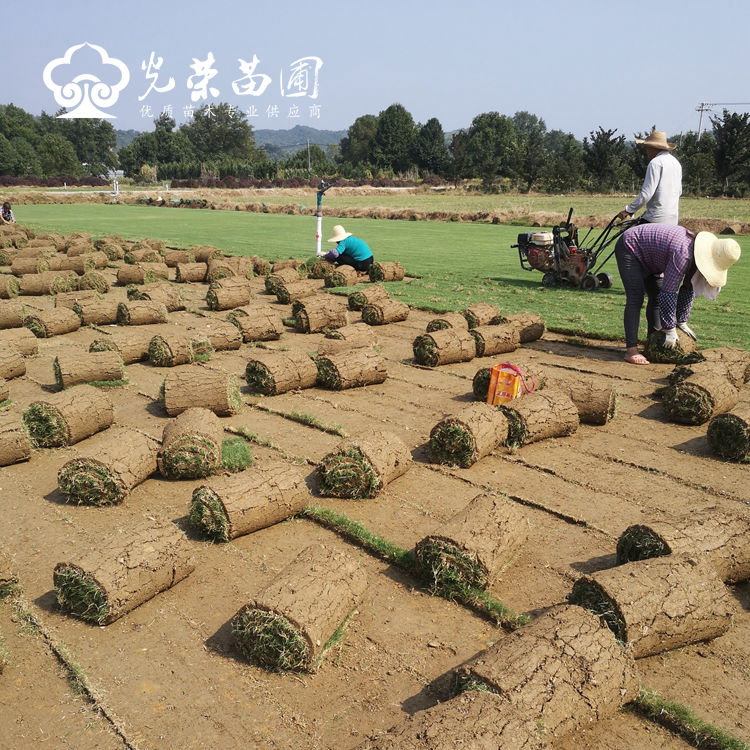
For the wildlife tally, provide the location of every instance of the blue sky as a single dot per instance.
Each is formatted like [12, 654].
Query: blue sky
[577, 64]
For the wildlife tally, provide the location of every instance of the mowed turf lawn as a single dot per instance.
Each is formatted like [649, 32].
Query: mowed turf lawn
[458, 263]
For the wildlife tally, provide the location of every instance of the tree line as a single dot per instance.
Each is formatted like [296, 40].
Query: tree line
[504, 152]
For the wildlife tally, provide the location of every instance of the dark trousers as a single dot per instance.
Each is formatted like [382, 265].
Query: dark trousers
[359, 265]
[636, 287]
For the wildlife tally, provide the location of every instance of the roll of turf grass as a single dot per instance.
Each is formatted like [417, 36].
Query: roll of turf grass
[698, 398]
[141, 312]
[684, 353]
[91, 367]
[385, 311]
[444, 347]
[193, 385]
[281, 276]
[341, 276]
[728, 434]
[351, 369]
[177, 348]
[481, 314]
[387, 271]
[191, 445]
[497, 339]
[539, 415]
[52, 322]
[256, 324]
[366, 296]
[272, 373]
[316, 313]
[15, 444]
[448, 320]
[462, 439]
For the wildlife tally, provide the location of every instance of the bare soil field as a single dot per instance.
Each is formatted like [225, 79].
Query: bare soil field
[168, 675]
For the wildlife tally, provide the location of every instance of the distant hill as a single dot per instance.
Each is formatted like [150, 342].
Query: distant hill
[282, 143]
[125, 137]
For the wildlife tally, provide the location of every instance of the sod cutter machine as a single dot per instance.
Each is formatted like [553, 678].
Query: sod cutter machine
[564, 260]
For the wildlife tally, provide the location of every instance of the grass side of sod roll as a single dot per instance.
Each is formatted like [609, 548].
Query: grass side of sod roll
[191, 457]
[259, 379]
[328, 375]
[449, 567]
[86, 483]
[589, 595]
[481, 383]
[208, 516]
[80, 595]
[453, 445]
[45, 426]
[640, 543]
[729, 437]
[348, 474]
[270, 640]
[425, 351]
[516, 427]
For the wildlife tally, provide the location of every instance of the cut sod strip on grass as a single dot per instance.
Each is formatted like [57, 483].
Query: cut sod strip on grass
[448, 320]
[96, 312]
[360, 468]
[13, 365]
[699, 398]
[351, 369]
[729, 434]
[659, 604]
[15, 445]
[529, 326]
[52, 322]
[720, 537]
[288, 624]
[167, 294]
[481, 314]
[177, 348]
[684, 353]
[444, 347]
[366, 296]
[100, 367]
[131, 344]
[256, 323]
[68, 417]
[141, 312]
[108, 468]
[228, 507]
[473, 547]
[125, 570]
[498, 339]
[291, 291]
[271, 373]
[191, 272]
[341, 276]
[313, 314]
[282, 276]
[384, 311]
[193, 385]
[538, 416]
[390, 271]
[462, 439]
[191, 445]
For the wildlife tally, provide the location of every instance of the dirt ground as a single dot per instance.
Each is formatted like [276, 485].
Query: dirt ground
[167, 675]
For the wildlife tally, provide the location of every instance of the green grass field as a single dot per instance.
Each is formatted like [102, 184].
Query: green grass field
[458, 263]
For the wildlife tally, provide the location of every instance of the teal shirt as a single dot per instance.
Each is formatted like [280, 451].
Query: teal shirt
[354, 248]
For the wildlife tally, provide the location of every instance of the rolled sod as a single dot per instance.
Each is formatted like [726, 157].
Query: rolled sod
[94, 280]
[85, 263]
[385, 311]
[291, 291]
[728, 434]
[313, 314]
[71, 369]
[226, 299]
[205, 253]
[360, 468]
[52, 322]
[22, 266]
[193, 385]
[351, 369]
[289, 622]
[595, 398]
[232, 506]
[357, 336]
[4, 391]
[282, 276]
[49, 282]
[126, 569]
[699, 398]
[474, 546]
[389, 271]
[68, 417]
[131, 344]
[21, 340]
[538, 416]
[191, 272]
[529, 326]
[235, 265]
[463, 438]
[366, 296]
[444, 347]
[162, 292]
[96, 311]
[69, 299]
[15, 445]
[271, 373]
[108, 467]
[684, 353]
[320, 268]
[731, 357]
[481, 314]
[256, 324]
[176, 348]
[448, 320]
[6, 255]
[141, 312]
[280, 265]
[497, 339]
[174, 258]
[142, 255]
[13, 365]
[341, 276]
[143, 273]
[719, 536]
[12, 313]
[261, 266]
[9, 286]
[733, 364]
[221, 334]
[191, 445]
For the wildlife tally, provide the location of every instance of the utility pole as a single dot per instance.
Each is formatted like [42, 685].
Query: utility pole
[308, 154]
[708, 106]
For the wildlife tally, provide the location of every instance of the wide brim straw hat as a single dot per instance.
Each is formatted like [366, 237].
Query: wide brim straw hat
[339, 234]
[657, 139]
[714, 256]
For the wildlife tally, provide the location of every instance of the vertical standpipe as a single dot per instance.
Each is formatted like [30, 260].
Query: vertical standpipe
[319, 218]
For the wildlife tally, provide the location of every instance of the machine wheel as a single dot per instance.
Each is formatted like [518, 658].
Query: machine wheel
[605, 280]
[589, 283]
[549, 279]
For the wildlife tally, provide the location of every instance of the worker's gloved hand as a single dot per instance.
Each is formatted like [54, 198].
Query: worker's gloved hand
[688, 330]
[320, 253]
[670, 338]
[623, 215]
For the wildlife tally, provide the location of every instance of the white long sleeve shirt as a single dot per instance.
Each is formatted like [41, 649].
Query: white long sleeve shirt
[661, 190]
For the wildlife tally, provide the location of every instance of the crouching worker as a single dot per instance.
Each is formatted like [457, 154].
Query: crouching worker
[349, 251]
[692, 265]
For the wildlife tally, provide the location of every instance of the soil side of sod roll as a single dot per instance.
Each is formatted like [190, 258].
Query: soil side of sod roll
[52, 322]
[191, 272]
[698, 398]
[444, 347]
[21, 340]
[595, 398]
[474, 546]
[289, 622]
[12, 363]
[15, 445]
[448, 320]
[360, 468]
[272, 373]
[257, 324]
[69, 299]
[143, 273]
[132, 343]
[341, 276]
[96, 312]
[462, 439]
[659, 604]
[193, 385]
[227, 299]
[68, 417]
[366, 296]
[313, 314]
[720, 537]
[730, 356]
[12, 313]
[191, 445]
[141, 312]
[108, 468]
[281, 276]
[159, 291]
[538, 416]
[497, 339]
[733, 371]
[728, 434]
[354, 336]
[228, 507]
[351, 369]
[173, 258]
[176, 348]
[320, 268]
[386, 271]
[127, 569]
[72, 369]
[292, 291]
[221, 334]
[530, 327]
[481, 314]
[385, 311]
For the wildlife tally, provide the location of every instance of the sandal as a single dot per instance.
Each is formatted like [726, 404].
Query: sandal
[636, 359]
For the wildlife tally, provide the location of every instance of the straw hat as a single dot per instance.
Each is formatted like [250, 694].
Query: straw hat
[339, 234]
[713, 256]
[657, 140]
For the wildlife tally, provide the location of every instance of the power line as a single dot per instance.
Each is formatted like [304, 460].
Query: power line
[708, 106]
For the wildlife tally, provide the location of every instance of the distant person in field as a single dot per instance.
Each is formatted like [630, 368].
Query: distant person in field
[692, 265]
[349, 250]
[6, 214]
[662, 186]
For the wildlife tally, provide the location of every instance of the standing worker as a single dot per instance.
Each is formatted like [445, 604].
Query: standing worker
[692, 265]
[349, 251]
[662, 186]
